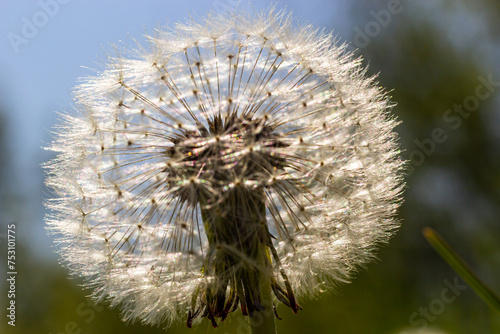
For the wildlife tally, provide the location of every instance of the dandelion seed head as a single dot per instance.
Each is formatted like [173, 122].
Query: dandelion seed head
[222, 137]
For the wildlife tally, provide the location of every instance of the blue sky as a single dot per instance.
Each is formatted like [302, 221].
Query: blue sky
[46, 45]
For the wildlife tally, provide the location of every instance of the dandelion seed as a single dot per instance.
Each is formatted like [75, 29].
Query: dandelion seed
[231, 156]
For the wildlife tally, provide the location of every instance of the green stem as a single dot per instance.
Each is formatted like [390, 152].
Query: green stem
[461, 268]
[262, 322]
[241, 248]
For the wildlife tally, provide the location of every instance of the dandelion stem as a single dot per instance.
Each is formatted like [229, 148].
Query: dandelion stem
[262, 322]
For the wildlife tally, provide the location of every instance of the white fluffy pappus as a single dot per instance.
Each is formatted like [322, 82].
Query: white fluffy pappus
[229, 151]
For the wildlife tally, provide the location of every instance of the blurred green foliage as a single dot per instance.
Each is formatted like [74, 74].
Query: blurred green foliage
[455, 190]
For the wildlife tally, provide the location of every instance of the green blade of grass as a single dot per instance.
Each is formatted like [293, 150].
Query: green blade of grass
[461, 268]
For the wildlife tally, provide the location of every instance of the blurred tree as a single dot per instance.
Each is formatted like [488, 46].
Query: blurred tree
[4, 170]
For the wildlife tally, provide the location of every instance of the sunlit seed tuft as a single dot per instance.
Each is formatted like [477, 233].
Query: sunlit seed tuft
[229, 151]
